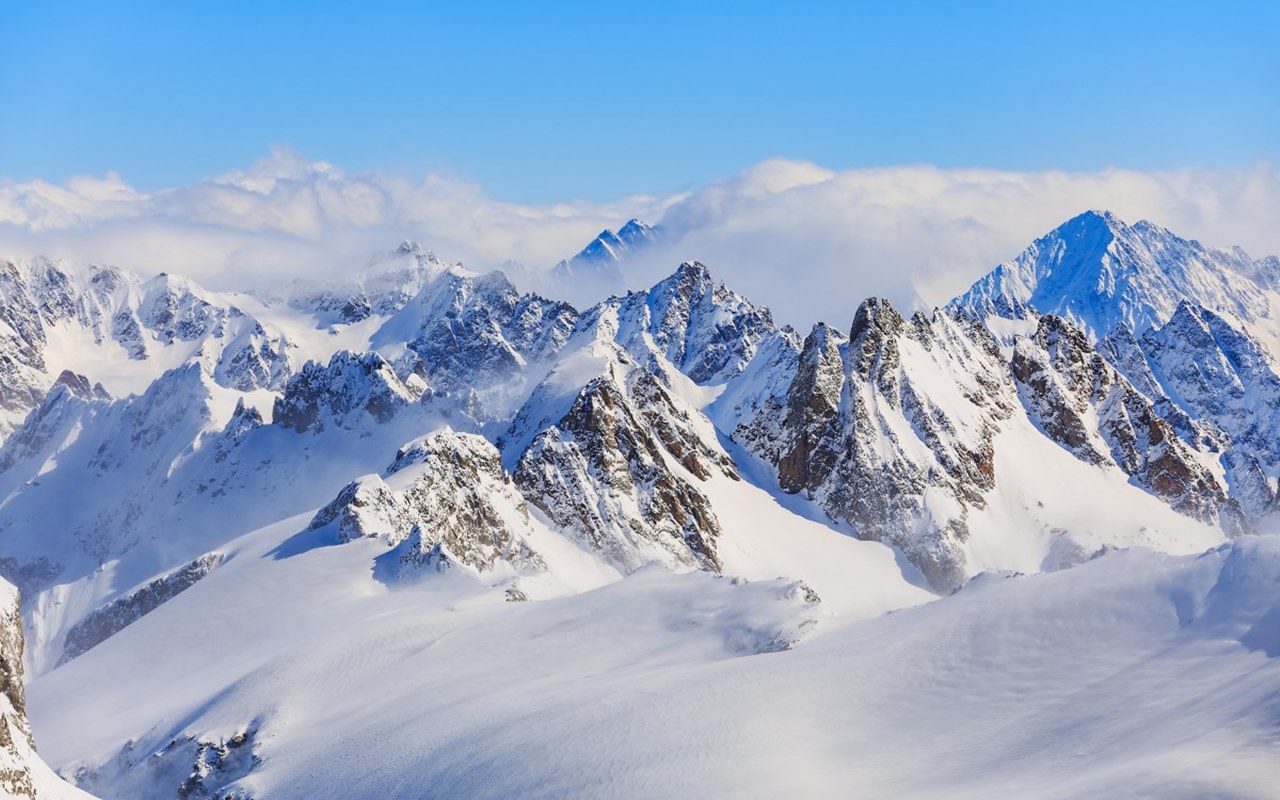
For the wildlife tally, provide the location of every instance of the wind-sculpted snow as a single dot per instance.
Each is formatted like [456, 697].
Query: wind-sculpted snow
[1135, 674]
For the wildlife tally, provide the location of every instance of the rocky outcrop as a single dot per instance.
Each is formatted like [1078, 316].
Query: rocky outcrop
[106, 621]
[446, 499]
[811, 433]
[22, 774]
[891, 431]
[342, 393]
[708, 331]
[186, 767]
[701, 327]
[17, 746]
[1083, 404]
[616, 471]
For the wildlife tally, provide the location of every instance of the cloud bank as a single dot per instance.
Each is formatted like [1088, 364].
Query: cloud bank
[810, 242]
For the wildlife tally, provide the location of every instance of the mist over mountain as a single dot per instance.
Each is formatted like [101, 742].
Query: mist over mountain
[420, 498]
[916, 235]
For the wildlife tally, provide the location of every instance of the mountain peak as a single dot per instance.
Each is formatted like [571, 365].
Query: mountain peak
[634, 230]
[1101, 272]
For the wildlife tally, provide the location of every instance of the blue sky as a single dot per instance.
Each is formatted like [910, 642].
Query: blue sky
[542, 102]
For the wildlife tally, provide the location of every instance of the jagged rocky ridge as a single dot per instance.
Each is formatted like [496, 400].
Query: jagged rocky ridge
[49, 308]
[446, 500]
[110, 619]
[1192, 329]
[603, 422]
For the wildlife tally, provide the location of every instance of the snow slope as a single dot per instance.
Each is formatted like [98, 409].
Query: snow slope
[1134, 675]
[419, 534]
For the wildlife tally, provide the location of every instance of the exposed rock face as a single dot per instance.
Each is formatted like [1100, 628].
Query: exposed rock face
[707, 330]
[17, 746]
[341, 393]
[605, 472]
[104, 622]
[449, 499]
[1081, 402]
[1175, 319]
[22, 774]
[118, 310]
[812, 442]
[702, 328]
[871, 435]
[1100, 273]
[893, 429]
[1220, 375]
[469, 331]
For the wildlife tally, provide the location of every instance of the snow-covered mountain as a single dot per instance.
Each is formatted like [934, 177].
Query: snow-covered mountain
[332, 512]
[597, 269]
[1098, 273]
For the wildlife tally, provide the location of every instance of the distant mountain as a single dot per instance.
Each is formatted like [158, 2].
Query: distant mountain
[1098, 272]
[273, 495]
[599, 263]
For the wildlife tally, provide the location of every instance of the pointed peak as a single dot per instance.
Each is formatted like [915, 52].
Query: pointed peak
[1099, 216]
[692, 271]
[79, 386]
[875, 313]
[820, 335]
[1187, 312]
[635, 224]
[1090, 226]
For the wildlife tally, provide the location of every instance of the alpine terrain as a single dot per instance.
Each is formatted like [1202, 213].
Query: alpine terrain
[425, 534]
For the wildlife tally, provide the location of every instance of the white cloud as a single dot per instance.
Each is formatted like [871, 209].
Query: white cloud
[809, 241]
[815, 243]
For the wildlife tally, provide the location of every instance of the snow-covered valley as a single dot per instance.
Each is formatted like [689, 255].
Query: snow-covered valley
[424, 535]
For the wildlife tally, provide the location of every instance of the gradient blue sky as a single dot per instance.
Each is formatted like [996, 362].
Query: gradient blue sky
[541, 102]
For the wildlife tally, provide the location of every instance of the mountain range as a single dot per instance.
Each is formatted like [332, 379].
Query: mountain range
[426, 533]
